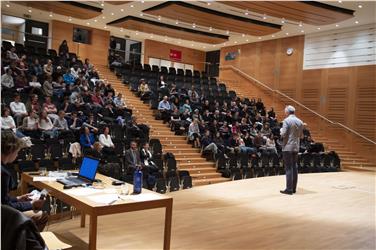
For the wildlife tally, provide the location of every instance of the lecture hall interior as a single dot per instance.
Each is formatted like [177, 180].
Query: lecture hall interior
[188, 125]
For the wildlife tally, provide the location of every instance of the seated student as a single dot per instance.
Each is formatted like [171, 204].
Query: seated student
[18, 109]
[208, 143]
[147, 159]
[50, 108]
[68, 78]
[7, 83]
[165, 109]
[33, 104]
[48, 68]
[10, 145]
[106, 142]
[11, 54]
[87, 139]
[95, 152]
[36, 69]
[161, 82]
[34, 82]
[194, 133]
[48, 88]
[74, 71]
[186, 106]
[144, 90]
[92, 123]
[30, 125]
[75, 122]
[7, 121]
[46, 126]
[61, 125]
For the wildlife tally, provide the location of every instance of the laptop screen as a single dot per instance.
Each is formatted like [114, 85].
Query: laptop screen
[88, 168]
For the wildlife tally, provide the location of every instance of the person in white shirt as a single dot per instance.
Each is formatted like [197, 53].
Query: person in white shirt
[18, 109]
[75, 70]
[7, 79]
[106, 142]
[12, 54]
[30, 125]
[34, 82]
[7, 121]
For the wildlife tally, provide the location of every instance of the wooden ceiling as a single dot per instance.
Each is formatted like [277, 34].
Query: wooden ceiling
[66, 8]
[189, 13]
[162, 29]
[309, 12]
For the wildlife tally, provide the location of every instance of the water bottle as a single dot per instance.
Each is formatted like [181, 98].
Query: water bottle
[137, 181]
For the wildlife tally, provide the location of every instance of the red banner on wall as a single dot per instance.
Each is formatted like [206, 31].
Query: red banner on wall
[175, 55]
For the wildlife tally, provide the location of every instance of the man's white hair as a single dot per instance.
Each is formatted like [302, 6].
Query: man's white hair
[289, 109]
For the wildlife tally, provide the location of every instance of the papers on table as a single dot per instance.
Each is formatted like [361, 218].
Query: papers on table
[82, 191]
[104, 198]
[44, 178]
[52, 242]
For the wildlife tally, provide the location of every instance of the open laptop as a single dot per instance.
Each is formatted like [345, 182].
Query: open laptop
[86, 175]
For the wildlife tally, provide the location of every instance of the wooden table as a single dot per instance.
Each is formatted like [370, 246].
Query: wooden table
[94, 209]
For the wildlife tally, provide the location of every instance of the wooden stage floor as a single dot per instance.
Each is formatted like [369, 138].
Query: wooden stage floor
[329, 211]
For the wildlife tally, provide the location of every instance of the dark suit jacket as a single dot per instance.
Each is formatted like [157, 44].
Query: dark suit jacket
[6, 183]
[132, 160]
[145, 156]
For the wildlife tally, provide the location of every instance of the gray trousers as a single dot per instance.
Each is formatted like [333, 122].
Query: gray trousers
[289, 160]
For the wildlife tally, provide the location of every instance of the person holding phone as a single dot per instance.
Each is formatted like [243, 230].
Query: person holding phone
[10, 145]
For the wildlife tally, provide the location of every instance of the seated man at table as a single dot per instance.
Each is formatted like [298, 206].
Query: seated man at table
[132, 157]
[10, 145]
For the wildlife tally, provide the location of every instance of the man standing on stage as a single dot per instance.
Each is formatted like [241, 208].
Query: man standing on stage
[291, 132]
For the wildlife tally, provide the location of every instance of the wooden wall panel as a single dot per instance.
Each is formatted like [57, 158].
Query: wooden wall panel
[97, 51]
[162, 51]
[346, 95]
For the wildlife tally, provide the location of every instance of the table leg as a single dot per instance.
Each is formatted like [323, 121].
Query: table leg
[167, 229]
[93, 233]
[83, 217]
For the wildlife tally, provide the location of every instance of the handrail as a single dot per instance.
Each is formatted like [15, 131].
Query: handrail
[295, 101]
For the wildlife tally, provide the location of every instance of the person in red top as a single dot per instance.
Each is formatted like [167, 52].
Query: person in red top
[97, 99]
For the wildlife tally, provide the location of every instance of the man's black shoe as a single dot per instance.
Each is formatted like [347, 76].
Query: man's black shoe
[285, 192]
[294, 191]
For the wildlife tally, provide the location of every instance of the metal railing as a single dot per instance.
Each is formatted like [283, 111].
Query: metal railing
[296, 102]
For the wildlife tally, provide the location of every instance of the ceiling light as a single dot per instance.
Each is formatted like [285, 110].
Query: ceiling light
[112, 13]
[247, 40]
[287, 33]
[356, 22]
[337, 25]
[121, 30]
[70, 19]
[136, 33]
[122, 10]
[105, 27]
[360, 6]
[224, 44]
[319, 28]
[235, 42]
[246, 13]
[132, 5]
[243, 35]
[273, 35]
[259, 37]
[103, 17]
[192, 45]
[30, 11]
[88, 23]
[210, 28]
[141, 14]
[340, 1]
[7, 5]
[208, 3]
[177, 22]
[159, 18]
[302, 31]
[214, 45]
[227, 32]
[179, 42]
[50, 15]
[102, 4]
[95, 20]
[264, 17]
[193, 25]
[165, 39]
[283, 20]
[142, 1]
[300, 24]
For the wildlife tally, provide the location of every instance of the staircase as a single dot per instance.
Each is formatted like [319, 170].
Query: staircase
[202, 172]
[349, 159]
